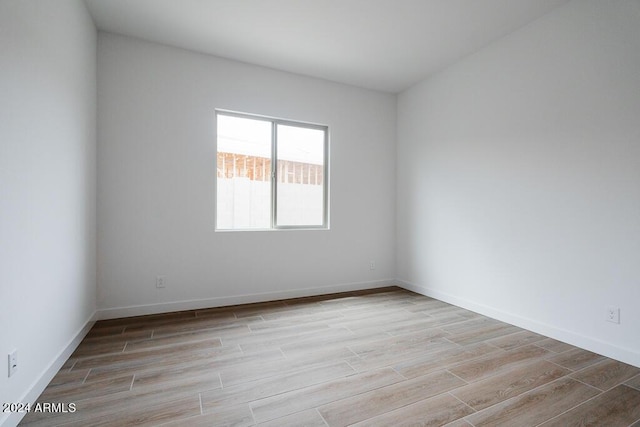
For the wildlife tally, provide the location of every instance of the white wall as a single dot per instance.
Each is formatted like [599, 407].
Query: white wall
[47, 188]
[156, 183]
[519, 177]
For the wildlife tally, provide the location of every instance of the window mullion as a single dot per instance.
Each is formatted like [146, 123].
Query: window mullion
[274, 174]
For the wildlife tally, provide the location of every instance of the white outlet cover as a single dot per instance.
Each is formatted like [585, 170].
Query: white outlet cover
[612, 314]
[12, 360]
[160, 282]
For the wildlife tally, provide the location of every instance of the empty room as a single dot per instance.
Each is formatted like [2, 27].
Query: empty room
[320, 213]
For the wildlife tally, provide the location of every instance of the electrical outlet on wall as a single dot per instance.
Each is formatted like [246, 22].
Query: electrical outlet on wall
[372, 265]
[160, 282]
[612, 314]
[13, 362]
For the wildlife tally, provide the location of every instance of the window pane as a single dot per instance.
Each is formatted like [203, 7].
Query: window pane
[300, 187]
[244, 173]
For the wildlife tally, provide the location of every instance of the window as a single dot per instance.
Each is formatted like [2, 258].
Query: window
[272, 173]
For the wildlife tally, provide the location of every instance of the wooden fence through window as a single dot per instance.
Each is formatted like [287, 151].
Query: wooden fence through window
[231, 165]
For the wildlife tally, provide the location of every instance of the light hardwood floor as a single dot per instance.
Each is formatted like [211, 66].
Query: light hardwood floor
[379, 358]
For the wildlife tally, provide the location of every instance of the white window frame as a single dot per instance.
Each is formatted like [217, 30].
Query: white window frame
[274, 170]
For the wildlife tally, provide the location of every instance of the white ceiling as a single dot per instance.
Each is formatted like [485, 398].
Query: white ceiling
[386, 45]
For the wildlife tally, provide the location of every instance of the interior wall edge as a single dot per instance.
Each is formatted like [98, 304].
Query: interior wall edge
[597, 346]
[196, 304]
[36, 389]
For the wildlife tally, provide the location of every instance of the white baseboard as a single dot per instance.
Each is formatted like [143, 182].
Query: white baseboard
[140, 310]
[45, 378]
[606, 349]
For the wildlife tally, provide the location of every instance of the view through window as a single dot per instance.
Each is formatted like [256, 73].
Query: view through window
[271, 173]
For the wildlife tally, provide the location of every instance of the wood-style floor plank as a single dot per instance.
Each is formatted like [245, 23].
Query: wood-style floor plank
[576, 359]
[385, 399]
[241, 373]
[436, 411]
[499, 363]
[368, 358]
[73, 391]
[495, 389]
[445, 358]
[68, 377]
[153, 355]
[618, 407]
[606, 374]
[634, 382]
[384, 357]
[319, 395]
[235, 416]
[554, 345]
[309, 418]
[535, 407]
[151, 414]
[223, 356]
[476, 336]
[255, 390]
[457, 423]
[509, 342]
